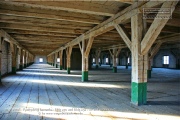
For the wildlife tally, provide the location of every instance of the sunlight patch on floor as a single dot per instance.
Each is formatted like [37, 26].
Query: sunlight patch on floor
[73, 112]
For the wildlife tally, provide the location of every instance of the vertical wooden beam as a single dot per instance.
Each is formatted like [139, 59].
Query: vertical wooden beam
[152, 54]
[14, 57]
[139, 63]
[86, 46]
[97, 56]
[21, 59]
[55, 60]
[61, 61]
[25, 57]
[68, 53]
[1, 43]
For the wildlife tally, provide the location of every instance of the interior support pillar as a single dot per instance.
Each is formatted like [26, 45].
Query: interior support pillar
[97, 56]
[152, 54]
[14, 57]
[85, 49]
[61, 61]
[139, 63]
[115, 55]
[25, 58]
[68, 53]
[55, 60]
[1, 43]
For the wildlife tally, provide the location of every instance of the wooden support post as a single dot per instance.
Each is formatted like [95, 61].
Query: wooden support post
[55, 59]
[139, 63]
[127, 54]
[68, 53]
[61, 61]
[85, 49]
[52, 60]
[97, 56]
[152, 54]
[27, 59]
[1, 43]
[114, 55]
[14, 57]
[21, 59]
[25, 56]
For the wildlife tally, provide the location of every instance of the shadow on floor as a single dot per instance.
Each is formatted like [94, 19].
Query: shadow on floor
[176, 103]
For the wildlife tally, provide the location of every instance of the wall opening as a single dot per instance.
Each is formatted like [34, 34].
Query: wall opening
[40, 60]
[58, 60]
[166, 60]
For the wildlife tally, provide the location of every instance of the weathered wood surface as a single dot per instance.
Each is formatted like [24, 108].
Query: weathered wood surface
[42, 86]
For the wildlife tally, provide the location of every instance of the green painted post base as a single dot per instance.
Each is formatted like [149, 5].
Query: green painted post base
[138, 93]
[68, 70]
[126, 66]
[61, 67]
[97, 66]
[114, 69]
[13, 70]
[84, 76]
[21, 67]
[148, 73]
[56, 65]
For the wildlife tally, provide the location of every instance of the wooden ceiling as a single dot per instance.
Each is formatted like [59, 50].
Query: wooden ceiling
[42, 27]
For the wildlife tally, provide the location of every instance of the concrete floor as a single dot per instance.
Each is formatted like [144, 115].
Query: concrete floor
[43, 92]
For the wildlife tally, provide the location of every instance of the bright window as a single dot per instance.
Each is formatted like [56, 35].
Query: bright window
[40, 60]
[128, 60]
[93, 59]
[58, 59]
[107, 60]
[166, 60]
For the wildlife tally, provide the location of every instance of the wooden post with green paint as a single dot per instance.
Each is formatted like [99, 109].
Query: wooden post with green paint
[114, 54]
[25, 59]
[1, 43]
[14, 52]
[85, 49]
[97, 56]
[61, 61]
[68, 53]
[139, 63]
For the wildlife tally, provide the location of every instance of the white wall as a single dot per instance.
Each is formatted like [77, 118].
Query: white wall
[37, 59]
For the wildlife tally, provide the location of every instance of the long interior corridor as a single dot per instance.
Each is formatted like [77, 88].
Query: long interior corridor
[44, 92]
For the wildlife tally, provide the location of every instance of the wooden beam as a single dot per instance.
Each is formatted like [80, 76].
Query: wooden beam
[107, 25]
[126, 1]
[9, 39]
[89, 44]
[85, 8]
[155, 28]
[41, 33]
[49, 16]
[124, 35]
[155, 50]
[36, 28]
